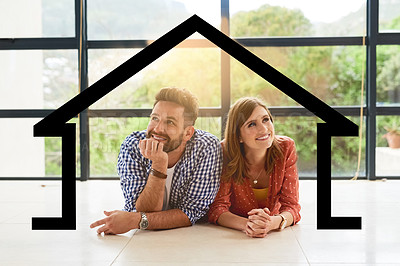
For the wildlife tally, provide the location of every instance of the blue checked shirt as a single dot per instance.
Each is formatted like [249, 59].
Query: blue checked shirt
[196, 177]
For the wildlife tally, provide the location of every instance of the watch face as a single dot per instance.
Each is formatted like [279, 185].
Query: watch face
[283, 225]
[144, 224]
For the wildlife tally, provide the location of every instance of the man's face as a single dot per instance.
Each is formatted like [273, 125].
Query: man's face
[167, 125]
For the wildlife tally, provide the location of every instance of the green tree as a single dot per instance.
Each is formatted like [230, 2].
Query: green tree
[388, 68]
[333, 74]
[270, 21]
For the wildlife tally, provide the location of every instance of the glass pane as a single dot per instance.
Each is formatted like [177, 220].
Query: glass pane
[303, 130]
[46, 18]
[333, 74]
[209, 124]
[345, 153]
[53, 154]
[297, 18]
[389, 15]
[37, 79]
[149, 20]
[388, 146]
[195, 69]
[388, 75]
[107, 135]
[23, 155]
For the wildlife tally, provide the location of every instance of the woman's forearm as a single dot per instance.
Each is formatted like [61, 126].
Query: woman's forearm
[289, 218]
[231, 220]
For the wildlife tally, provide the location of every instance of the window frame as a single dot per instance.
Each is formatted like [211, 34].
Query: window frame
[81, 43]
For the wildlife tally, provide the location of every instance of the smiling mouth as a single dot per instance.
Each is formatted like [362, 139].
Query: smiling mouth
[158, 138]
[265, 137]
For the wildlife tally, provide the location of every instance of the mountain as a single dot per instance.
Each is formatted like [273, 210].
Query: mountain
[354, 24]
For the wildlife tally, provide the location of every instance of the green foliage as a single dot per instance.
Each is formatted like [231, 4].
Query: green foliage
[388, 78]
[333, 74]
[107, 135]
[270, 21]
[311, 68]
[53, 160]
[52, 156]
[303, 131]
[347, 75]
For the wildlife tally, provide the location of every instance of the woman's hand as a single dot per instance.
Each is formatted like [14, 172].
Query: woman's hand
[260, 222]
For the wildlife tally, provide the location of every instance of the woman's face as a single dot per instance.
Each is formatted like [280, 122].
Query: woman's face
[258, 131]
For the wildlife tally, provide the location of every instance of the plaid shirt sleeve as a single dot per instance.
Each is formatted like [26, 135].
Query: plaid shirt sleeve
[132, 169]
[202, 170]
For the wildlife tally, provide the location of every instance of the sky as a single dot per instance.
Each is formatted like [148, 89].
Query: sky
[314, 10]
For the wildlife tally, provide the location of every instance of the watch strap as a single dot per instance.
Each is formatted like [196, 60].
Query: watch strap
[144, 222]
[283, 222]
[157, 173]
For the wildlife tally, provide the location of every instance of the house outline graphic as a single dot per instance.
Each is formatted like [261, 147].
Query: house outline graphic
[55, 124]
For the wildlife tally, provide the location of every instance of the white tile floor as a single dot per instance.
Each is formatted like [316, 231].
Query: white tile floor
[378, 243]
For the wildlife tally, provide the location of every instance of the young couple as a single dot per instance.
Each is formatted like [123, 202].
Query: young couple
[172, 174]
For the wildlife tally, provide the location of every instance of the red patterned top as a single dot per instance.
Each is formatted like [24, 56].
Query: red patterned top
[283, 192]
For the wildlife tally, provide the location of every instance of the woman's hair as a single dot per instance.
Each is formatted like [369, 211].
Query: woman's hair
[182, 97]
[234, 157]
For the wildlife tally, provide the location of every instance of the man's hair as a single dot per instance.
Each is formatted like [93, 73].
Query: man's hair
[182, 97]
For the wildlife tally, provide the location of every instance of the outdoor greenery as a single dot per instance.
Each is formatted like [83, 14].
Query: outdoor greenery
[333, 74]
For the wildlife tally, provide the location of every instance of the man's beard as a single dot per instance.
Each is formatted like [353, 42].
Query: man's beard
[170, 145]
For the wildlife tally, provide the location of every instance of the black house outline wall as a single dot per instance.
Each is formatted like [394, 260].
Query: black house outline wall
[55, 124]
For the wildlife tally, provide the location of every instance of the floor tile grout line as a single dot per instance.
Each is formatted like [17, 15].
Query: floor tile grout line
[302, 250]
[127, 243]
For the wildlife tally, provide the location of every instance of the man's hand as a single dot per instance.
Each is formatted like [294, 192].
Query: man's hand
[153, 150]
[117, 222]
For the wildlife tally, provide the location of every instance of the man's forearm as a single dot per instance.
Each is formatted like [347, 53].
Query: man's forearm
[120, 222]
[167, 219]
[152, 196]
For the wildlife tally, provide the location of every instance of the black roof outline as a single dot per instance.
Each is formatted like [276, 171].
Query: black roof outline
[55, 124]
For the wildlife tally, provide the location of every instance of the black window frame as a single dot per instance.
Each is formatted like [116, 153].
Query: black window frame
[81, 43]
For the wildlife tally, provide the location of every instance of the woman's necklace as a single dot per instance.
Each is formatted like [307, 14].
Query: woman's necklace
[255, 181]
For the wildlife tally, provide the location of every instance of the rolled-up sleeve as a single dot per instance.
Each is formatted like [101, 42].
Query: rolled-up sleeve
[289, 194]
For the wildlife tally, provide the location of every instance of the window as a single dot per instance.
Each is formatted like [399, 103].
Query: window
[389, 20]
[297, 18]
[45, 60]
[46, 18]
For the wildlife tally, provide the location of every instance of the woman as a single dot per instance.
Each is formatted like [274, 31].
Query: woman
[259, 189]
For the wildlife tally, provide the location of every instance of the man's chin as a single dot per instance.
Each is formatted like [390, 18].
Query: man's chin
[169, 148]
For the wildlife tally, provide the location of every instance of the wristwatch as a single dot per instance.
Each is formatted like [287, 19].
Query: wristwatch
[282, 225]
[144, 223]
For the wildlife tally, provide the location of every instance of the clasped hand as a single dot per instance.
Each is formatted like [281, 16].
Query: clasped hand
[259, 223]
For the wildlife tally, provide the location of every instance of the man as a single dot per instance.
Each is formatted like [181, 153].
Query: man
[170, 172]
